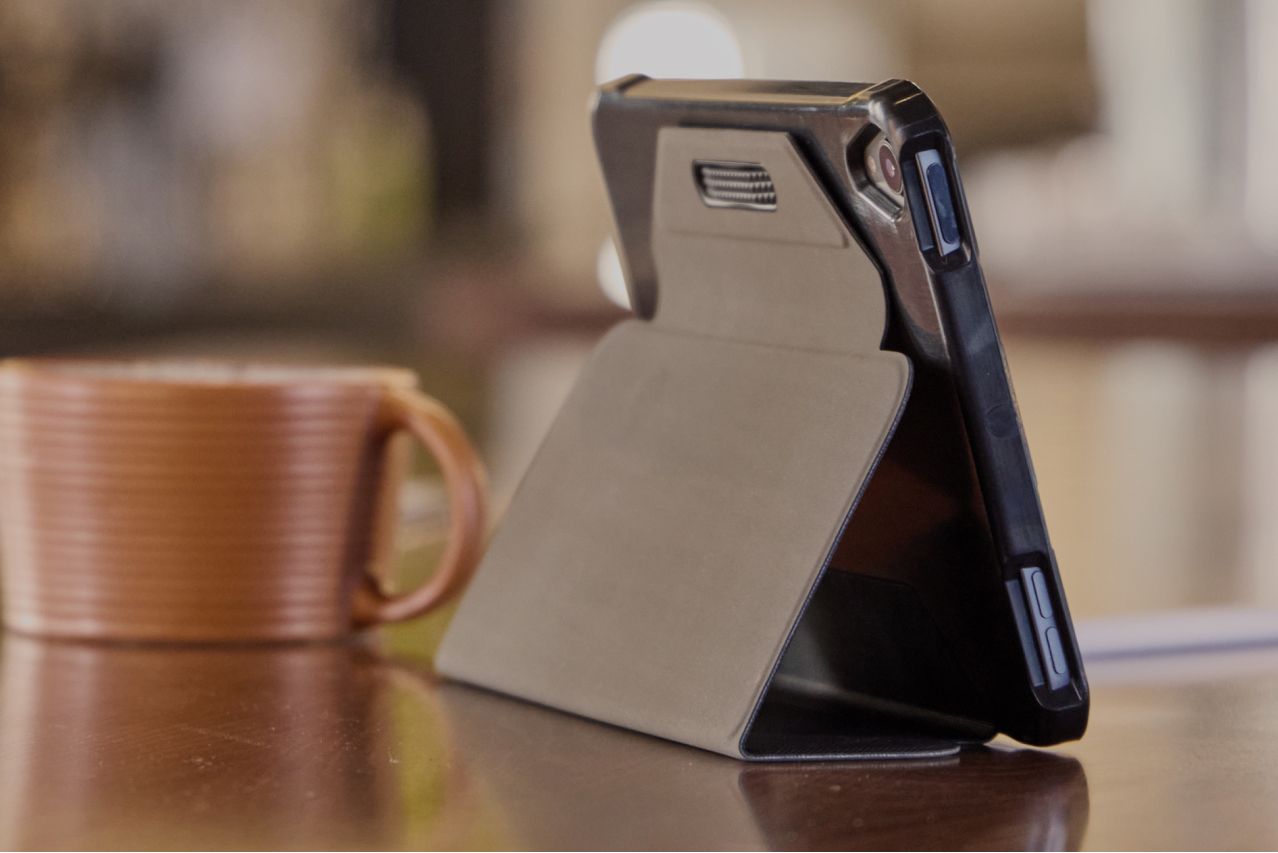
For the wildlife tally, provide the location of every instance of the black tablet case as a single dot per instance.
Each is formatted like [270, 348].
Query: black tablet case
[663, 546]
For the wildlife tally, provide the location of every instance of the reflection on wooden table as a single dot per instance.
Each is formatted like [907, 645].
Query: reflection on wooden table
[565, 783]
[335, 746]
[302, 746]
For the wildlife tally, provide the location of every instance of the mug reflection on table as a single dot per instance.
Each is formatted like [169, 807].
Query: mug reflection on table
[323, 746]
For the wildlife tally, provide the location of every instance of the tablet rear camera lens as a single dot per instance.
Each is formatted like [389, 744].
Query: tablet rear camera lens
[890, 168]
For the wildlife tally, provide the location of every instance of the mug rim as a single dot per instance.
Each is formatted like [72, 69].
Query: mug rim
[209, 373]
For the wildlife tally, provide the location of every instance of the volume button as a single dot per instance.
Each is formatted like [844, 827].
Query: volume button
[1041, 596]
[1055, 651]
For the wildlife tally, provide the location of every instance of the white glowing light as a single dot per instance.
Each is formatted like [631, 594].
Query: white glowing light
[612, 279]
[670, 39]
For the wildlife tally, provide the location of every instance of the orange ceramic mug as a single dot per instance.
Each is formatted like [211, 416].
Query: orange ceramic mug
[208, 501]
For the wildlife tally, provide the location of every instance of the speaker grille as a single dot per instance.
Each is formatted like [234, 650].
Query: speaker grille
[745, 185]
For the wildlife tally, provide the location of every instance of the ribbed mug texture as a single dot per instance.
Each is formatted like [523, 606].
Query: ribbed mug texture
[168, 509]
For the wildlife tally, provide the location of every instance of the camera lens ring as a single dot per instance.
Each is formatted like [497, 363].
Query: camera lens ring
[890, 168]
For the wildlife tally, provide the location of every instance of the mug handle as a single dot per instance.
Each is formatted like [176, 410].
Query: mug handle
[438, 430]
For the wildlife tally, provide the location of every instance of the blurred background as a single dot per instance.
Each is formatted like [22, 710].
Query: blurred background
[414, 182]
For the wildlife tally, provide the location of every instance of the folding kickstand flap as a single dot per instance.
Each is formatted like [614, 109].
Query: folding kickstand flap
[796, 723]
[664, 543]
[806, 713]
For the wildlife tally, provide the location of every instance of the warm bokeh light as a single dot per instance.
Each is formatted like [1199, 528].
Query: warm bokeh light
[670, 39]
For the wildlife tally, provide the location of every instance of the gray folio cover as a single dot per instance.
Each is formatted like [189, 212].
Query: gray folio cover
[680, 512]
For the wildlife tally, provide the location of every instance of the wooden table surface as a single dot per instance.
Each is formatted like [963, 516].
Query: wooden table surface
[346, 746]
